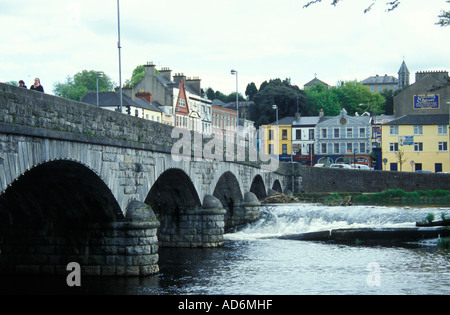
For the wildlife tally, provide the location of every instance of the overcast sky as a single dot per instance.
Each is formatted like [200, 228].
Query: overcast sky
[261, 39]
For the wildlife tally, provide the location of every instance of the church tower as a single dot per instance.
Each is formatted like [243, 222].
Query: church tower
[403, 76]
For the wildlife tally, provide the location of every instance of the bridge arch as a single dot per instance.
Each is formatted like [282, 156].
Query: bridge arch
[173, 198]
[228, 191]
[277, 186]
[258, 187]
[59, 192]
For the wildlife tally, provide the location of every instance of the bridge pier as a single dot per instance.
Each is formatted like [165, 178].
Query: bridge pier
[123, 248]
[197, 227]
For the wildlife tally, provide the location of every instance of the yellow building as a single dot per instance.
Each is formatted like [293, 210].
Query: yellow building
[416, 143]
[278, 138]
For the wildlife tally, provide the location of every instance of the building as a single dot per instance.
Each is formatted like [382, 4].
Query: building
[344, 138]
[278, 138]
[428, 95]
[165, 90]
[418, 137]
[403, 76]
[416, 143]
[315, 81]
[303, 139]
[139, 107]
[224, 122]
[380, 83]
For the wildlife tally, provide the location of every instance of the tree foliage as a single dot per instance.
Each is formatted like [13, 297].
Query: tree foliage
[444, 17]
[217, 95]
[85, 81]
[282, 94]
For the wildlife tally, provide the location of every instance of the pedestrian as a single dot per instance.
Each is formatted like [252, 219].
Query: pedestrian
[37, 85]
[22, 84]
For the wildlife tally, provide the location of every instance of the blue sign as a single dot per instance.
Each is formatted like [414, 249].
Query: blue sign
[426, 101]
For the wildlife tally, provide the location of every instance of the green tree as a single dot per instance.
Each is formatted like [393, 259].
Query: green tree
[85, 81]
[351, 94]
[251, 90]
[138, 75]
[319, 97]
[282, 94]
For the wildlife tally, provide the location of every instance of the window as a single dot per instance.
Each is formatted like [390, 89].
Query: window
[418, 166]
[336, 132]
[349, 148]
[284, 149]
[298, 134]
[437, 167]
[270, 148]
[442, 146]
[362, 147]
[418, 130]
[393, 130]
[324, 148]
[311, 134]
[349, 132]
[394, 167]
[336, 148]
[323, 133]
[270, 135]
[182, 102]
[362, 132]
[418, 147]
[284, 134]
[442, 130]
[393, 147]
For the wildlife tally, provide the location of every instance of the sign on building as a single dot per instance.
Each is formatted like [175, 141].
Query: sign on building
[406, 140]
[426, 101]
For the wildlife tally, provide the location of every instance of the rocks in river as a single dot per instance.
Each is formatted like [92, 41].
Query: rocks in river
[280, 198]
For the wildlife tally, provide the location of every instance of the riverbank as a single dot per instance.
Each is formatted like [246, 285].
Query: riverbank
[394, 197]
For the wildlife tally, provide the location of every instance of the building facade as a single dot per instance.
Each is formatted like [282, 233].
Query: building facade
[303, 139]
[416, 143]
[344, 139]
[278, 139]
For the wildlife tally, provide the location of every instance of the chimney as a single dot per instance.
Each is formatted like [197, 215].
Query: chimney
[297, 116]
[166, 73]
[145, 95]
[321, 113]
[178, 77]
[149, 69]
[195, 84]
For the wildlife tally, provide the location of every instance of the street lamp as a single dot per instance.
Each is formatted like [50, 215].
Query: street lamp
[120, 57]
[275, 107]
[99, 75]
[234, 72]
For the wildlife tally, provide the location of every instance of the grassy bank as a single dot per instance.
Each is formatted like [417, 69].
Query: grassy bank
[388, 197]
[401, 197]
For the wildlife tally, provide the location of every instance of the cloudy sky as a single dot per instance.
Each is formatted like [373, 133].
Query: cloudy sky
[261, 39]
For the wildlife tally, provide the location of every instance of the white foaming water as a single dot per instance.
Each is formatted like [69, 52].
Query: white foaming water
[289, 219]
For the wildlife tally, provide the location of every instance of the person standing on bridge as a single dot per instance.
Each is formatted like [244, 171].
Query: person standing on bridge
[22, 84]
[37, 85]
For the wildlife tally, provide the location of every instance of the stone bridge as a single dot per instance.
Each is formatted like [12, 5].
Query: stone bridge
[83, 184]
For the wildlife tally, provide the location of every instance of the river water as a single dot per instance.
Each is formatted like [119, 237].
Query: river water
[254, 261]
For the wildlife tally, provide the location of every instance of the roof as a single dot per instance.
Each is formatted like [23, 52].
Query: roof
[109, 99]
[420, 120]
[316, 81]
[284, 121]
[306, 121]
[386, 79]
[403, 68]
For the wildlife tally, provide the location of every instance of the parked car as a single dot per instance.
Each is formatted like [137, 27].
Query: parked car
[319, 165]
[340, 166]
[361, 167]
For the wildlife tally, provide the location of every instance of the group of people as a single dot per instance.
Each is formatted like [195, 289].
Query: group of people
[36, 86]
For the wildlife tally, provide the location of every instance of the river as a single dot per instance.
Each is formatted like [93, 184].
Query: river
[254, 261]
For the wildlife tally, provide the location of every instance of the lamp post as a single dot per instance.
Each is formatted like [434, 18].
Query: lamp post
[120, 59]
[99, 75]
[234, 72]
[275, 107]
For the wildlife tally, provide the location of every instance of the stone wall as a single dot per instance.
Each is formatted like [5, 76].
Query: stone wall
[323, 179]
